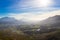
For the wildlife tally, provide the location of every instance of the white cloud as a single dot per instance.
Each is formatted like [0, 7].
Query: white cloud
[35, 8]
[34, 16]
[34, 5]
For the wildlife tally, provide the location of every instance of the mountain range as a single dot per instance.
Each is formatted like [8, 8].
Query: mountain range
[51, 22]
[55, 20]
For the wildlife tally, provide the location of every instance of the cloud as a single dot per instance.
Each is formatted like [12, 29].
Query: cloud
[34, 5]
[34, 16]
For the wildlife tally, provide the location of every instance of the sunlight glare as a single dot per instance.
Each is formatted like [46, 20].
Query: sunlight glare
[44, 3]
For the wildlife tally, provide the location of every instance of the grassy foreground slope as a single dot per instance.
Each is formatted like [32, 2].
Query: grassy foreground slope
[8, 35]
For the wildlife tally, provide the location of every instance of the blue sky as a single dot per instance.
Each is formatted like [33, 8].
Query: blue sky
[8, 7]
[13, 6]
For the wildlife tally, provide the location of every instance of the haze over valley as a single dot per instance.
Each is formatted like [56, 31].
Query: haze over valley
[29, 19]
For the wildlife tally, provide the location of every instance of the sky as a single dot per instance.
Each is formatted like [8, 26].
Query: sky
[29, 9]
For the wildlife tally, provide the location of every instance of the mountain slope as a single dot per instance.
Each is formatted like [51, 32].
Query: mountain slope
[8, 20]
[52, 22]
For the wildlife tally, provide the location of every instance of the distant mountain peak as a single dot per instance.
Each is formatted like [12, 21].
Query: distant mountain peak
[52, 21]
[8, 18]
[57, 15]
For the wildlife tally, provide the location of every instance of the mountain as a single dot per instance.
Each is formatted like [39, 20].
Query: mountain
[8, 20]
[51, 22]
